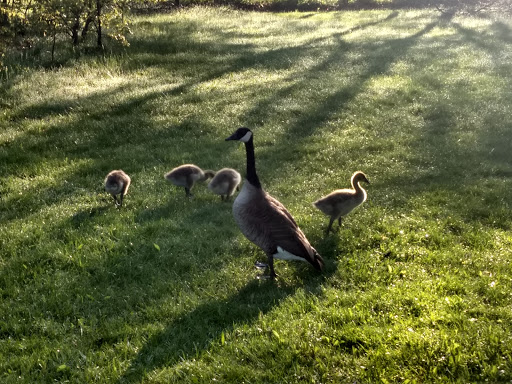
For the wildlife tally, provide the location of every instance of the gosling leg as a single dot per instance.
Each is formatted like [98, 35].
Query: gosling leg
[329, 227]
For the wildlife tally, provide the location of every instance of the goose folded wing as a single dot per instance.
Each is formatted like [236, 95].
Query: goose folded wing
[284, 231]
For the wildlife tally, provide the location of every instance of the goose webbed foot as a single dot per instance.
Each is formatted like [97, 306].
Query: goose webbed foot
[260, 265]
[263, 277]
[116, 202]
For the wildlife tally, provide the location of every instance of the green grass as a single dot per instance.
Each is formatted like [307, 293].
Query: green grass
[418, 282]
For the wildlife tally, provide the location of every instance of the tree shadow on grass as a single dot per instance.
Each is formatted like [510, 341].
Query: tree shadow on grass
[103, 124]
[310, 119]
[458, 170]
[491, 42]
[265, 107]
[379, 61]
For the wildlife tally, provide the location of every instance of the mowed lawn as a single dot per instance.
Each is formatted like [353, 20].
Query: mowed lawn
[417, 285]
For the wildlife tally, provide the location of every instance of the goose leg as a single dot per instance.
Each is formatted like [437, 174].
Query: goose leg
[271, 266]
[115, 200]
[121, 196]
[339, 223]
[187, 192]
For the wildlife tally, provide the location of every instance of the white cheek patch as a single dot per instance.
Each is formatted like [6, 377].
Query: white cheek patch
[285, 255]
[246, 137]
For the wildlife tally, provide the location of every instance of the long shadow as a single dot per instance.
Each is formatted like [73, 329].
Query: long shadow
[177, 343]
[391, 51]
[263, 108]
[54, 142]
[379, 60]
[499, 30]
[454, 169]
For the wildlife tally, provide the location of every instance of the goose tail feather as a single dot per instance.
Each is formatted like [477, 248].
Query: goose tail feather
[317, 260]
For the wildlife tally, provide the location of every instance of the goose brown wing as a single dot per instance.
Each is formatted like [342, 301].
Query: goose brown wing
[284, 231]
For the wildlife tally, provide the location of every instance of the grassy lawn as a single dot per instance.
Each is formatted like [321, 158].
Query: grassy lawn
[418, 281]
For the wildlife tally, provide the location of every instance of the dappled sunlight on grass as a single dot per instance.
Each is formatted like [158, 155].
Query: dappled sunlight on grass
[417, 280]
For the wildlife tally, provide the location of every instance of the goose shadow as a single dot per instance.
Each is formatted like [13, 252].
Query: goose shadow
[179, 342]
[84, 216]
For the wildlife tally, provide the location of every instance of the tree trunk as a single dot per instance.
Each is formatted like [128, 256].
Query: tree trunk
[54, 42]
[87, 24]
[98, 16]
[5, 18]
[74, 32]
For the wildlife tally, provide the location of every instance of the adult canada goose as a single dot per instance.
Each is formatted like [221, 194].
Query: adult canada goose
[342, 201]
[225, 182]
[186, 175]
[117, 183]
[264, 220]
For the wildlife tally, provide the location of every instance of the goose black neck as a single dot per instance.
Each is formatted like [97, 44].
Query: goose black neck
[251, 176]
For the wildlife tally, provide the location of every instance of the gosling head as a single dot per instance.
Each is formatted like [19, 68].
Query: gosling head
[208, 174]
[242, 134]
[358, 177]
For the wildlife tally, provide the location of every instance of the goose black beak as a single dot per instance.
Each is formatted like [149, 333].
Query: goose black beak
[232, 137]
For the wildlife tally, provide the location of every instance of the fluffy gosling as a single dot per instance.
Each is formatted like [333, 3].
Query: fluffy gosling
[225, 182]
[187, 175]
[343, 201]
[117, 183]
